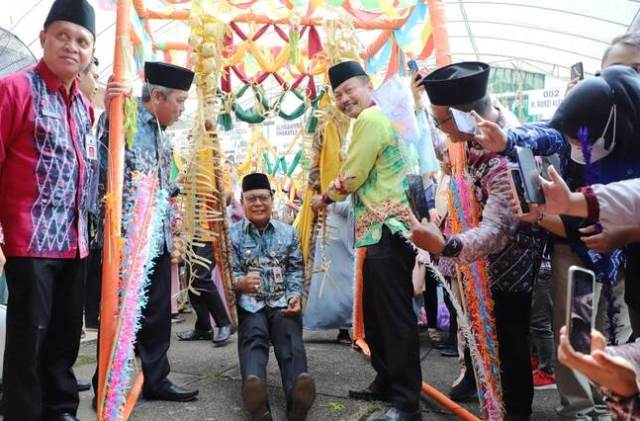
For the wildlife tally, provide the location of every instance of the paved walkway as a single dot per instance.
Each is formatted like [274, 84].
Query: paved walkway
[335, 367]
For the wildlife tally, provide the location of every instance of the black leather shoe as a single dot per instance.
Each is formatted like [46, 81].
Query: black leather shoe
[254, 396]
[394, 414]
[465, 390]
[83, 385]
[224, 333]
[450, 351]
[195, 335]
[173, 392]
[302, 396]
[66, 417]
[368, 394]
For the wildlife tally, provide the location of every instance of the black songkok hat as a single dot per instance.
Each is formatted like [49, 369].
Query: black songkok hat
[79, 12]
[255, 181]
[168, 75]
[458, 83]
[341, 72]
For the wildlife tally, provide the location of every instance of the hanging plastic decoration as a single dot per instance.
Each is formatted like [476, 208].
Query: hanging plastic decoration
[144, 231]
[204, 203]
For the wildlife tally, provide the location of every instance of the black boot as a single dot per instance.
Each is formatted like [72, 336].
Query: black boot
[465, 389]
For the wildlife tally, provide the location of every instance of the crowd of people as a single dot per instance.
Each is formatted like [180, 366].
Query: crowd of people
[52, 183]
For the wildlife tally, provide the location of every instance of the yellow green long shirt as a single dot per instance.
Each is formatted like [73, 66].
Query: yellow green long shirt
[374, 173]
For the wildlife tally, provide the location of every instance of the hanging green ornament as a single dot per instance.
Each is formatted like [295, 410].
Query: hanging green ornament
[225, 121]
[297, 112]
[294, 163]
[255, 114]
[267, 161]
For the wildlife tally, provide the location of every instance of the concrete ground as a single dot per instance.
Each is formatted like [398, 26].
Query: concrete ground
[336, 368]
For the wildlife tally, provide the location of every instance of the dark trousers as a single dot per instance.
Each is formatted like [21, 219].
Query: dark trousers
[93, 288]
[542, 321]
[208, 301]
[255, 330]
[431, 299]
[512, 311]
[44, 323]
[390, 324]
[452, 338]
[154, 337]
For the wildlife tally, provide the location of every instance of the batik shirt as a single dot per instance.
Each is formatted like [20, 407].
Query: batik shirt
[513, 249]
[275, 254]
[44, 134]
[98, 188]
[151, 152]
[374, 173]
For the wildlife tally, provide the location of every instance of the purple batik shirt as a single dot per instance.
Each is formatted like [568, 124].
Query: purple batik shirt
[43, 165]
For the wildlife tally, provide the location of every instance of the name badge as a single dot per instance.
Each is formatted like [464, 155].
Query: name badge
[277, 274]
[91, 145]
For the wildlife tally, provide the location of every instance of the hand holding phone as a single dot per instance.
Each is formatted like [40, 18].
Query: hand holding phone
[464, 122]
[413, 69]
[577, 71]
[517, 190]
[579, 317]
[530, 175]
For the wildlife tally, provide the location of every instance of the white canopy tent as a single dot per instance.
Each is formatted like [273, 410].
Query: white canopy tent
[543, 36]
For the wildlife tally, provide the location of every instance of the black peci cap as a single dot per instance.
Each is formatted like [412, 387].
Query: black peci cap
[458, 83]
[168, 75]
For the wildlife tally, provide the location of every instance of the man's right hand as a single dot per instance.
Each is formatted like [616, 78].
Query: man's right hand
[114, 89]
[3, 260]
[250, 284]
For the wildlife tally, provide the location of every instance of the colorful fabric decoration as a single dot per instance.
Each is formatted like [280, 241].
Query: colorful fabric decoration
[144, 225]
[479, 303]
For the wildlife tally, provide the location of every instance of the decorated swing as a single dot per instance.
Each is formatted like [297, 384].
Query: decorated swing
[252, 61]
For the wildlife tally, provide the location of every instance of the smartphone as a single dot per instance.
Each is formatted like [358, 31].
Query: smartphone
[464, 122]
[548, 161]
[413, 69]
[577, 71]
[417, 197]
[530, 175]
[518, 190]
[579, 318]
[413, 66]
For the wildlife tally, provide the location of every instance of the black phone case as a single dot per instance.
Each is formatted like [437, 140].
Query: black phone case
[417, 198]
[529, 172]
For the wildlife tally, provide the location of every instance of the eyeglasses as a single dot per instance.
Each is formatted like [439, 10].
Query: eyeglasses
[440, 123]
[263, 198]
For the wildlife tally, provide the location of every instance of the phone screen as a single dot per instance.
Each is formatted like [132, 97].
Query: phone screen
[547, 161]
[577, 71]
[417, 197]
[580, 320]
[464, 122]
[516, 182]
[530, 172]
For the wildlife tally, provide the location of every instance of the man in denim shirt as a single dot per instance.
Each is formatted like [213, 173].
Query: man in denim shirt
[161, 104]
[268, 277]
